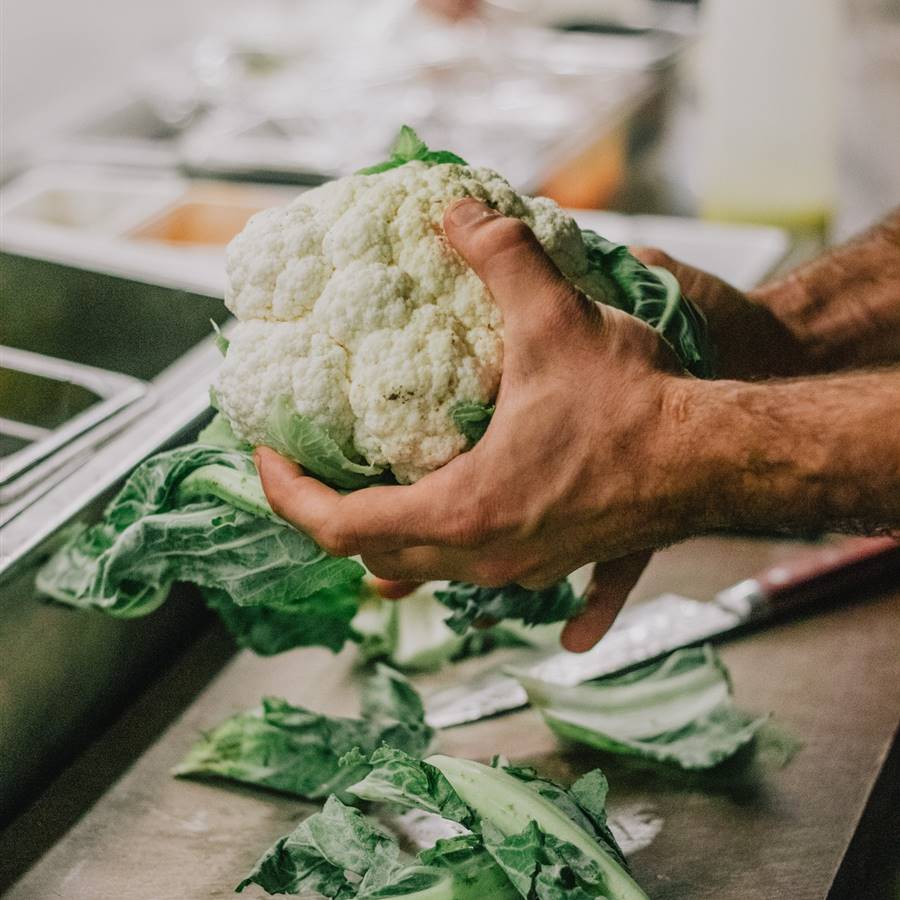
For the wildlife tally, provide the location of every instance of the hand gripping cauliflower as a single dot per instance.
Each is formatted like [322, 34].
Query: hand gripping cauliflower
[364, 340]
[366, 350]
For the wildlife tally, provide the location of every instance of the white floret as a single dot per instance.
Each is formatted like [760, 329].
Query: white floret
[404, 383]
[352, 303]
[268, 360]
[388, 303]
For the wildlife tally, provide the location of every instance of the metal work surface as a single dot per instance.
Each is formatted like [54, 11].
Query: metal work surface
[832, 680]
[63, 675]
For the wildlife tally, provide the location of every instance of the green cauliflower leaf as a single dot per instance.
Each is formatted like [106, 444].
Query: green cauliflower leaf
[296, 751]
[678, 710]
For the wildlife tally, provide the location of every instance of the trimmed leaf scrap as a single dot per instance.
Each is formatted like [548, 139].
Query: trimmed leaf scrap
[678, 710]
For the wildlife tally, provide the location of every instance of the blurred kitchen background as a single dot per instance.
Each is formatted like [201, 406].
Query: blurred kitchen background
[600, 103]
[138, 137]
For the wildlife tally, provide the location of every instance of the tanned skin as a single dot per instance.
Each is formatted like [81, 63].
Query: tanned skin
[601, 448]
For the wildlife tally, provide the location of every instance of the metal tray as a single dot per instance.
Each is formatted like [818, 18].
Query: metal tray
[64, 674]
[46, 404]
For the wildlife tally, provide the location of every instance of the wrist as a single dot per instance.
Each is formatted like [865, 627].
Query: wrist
[739, 461]
[786, 456]
[688, 460]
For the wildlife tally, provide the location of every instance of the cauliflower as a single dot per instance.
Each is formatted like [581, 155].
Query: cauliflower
[353, 306]
[364, 341]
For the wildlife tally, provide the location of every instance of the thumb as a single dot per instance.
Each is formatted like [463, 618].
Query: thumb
[531, 292]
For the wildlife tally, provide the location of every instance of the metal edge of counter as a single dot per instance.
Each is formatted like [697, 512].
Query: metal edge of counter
[179, 400]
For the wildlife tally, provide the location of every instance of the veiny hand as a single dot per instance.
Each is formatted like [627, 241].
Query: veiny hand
[582, 461]
[836, 312]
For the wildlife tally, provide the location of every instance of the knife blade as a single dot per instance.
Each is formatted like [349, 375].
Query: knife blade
[653, 629]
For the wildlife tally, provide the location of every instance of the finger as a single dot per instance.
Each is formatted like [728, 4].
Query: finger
[611, 583]
[531, 292]
[376, 519]
[426, 563]
[393, 590]
[299, 499]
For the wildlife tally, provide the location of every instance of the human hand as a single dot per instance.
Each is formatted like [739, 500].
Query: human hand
[582, 461]
[751, 342]
[836, 312]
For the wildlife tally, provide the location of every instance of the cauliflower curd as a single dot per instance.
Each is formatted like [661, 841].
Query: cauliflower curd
[353, 306]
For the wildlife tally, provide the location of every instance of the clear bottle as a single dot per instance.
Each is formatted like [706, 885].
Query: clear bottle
[769, 85]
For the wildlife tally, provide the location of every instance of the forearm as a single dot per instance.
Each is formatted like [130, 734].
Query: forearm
[819, 453]
[842, 310]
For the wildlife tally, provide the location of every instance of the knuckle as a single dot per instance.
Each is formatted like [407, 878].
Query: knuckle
[538, 574]
[459, 533]
[470, 526]
[277, 504]
[384, 567]
[492, 573]
[335, 540]
[502, 234]
[471, 533]
[536, 582]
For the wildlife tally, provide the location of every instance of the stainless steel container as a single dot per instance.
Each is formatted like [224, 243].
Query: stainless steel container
[63, 674]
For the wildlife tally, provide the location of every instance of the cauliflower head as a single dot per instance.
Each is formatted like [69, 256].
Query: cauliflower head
[360, 330]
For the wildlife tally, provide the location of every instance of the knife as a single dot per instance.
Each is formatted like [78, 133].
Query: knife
[659, 626]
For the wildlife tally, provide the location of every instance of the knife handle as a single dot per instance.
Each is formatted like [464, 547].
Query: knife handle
[815, 577]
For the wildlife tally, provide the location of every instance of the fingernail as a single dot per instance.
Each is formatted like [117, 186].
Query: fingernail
[467, 212]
